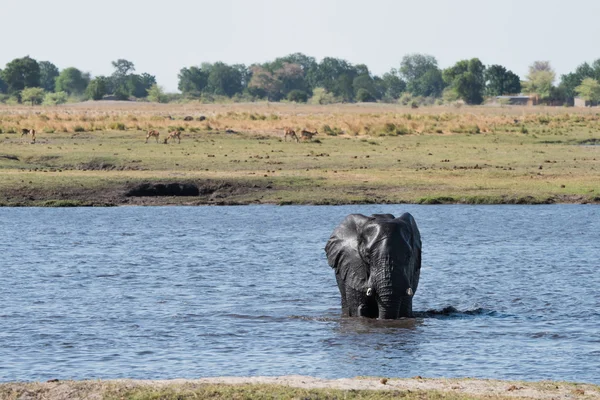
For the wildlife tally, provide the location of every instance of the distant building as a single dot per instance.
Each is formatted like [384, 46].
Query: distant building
[519, 100]
[579, 102]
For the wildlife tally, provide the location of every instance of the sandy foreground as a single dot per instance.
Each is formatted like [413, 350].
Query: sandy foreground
[62, 390]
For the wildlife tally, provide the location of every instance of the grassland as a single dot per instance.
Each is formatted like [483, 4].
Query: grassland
[298, 387]
[94, 154]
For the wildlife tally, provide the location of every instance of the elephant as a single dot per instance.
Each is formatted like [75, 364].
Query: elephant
[377, 263]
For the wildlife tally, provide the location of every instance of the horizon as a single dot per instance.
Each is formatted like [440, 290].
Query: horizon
[360, 34]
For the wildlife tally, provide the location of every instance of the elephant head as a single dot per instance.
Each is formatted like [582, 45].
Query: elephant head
[377, 261]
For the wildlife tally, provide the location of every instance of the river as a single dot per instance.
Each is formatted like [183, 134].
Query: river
[507, 292]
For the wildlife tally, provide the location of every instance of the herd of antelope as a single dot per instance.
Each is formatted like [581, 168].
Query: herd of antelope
[171, 135]
[304, 135]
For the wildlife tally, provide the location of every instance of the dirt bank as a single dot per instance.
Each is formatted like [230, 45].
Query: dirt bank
[297, 387]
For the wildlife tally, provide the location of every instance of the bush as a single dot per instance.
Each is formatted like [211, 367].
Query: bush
[391, 129]
[363, 96]
[33, 95]
[298, 96]
[52, 99]
[78, 128]
[405, 99]
[157, 94]
[331, 131]
[322, 96]
[117, 126]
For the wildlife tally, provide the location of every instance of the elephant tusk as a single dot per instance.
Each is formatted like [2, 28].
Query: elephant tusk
[409, 291]
[369, 292]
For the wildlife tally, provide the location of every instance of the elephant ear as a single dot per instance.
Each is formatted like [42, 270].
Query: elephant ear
[416, 236]
[344, 252]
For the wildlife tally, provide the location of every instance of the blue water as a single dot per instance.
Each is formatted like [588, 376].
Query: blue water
[507, 292]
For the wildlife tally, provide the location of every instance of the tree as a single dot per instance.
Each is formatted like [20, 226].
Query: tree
[264, 83]
[363, 96]
[500, 81]
[297, 96]
[72, 81]
[422, 75]
[589, 90]
[431, 84]
[3, 85]
[540, 79]
[223, 79]
[35, 95]
[570, 81]
[328, 74]
[192, 80]
[366, 83]
[157, 94]
[119, 78]
[291, 76]
[467, 78]
[97, 88]
[343, 87]
[138, 85]
[305, 62]
[48, 74]
[393, 84]
[21, 73]
[122, 67]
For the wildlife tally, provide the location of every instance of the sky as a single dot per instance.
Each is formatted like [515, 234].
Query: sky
[161, 37]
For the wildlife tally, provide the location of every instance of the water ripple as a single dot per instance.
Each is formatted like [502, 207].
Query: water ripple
[506, 292]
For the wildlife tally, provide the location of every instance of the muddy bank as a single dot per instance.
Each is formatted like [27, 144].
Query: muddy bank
[161, 192]
[286, 387]
[157, 193]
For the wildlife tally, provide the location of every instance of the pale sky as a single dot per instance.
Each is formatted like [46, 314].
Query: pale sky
[161, 37]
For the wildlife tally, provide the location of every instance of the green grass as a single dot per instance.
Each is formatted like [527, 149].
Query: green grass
[483, 168]
[408, 389]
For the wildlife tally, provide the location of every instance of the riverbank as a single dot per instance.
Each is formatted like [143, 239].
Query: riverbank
[297, 387]
[97, 156]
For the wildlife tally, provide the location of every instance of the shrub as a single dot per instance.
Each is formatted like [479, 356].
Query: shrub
[78, 128]
[322, 96]
[331, 131]
[52, 99]
[117, 126]
[391, 129]
[33, 95]
[405, 99]
[363, 96]
[157, 94]
[298, 96]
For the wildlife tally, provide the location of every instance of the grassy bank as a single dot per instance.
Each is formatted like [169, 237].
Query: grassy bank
[96, 155]
[298, 387]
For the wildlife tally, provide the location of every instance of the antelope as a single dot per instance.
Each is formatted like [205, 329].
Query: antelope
[174, 134]
[151, 134]
[289, 132]
[25, 132]
[307, 135]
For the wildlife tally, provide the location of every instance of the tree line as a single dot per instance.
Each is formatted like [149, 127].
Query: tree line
[300, 78]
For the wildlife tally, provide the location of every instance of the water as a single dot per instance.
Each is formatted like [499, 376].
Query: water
[509, 292]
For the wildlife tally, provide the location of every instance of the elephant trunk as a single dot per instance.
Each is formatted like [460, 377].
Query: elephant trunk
[389, 309]
[394, 293]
